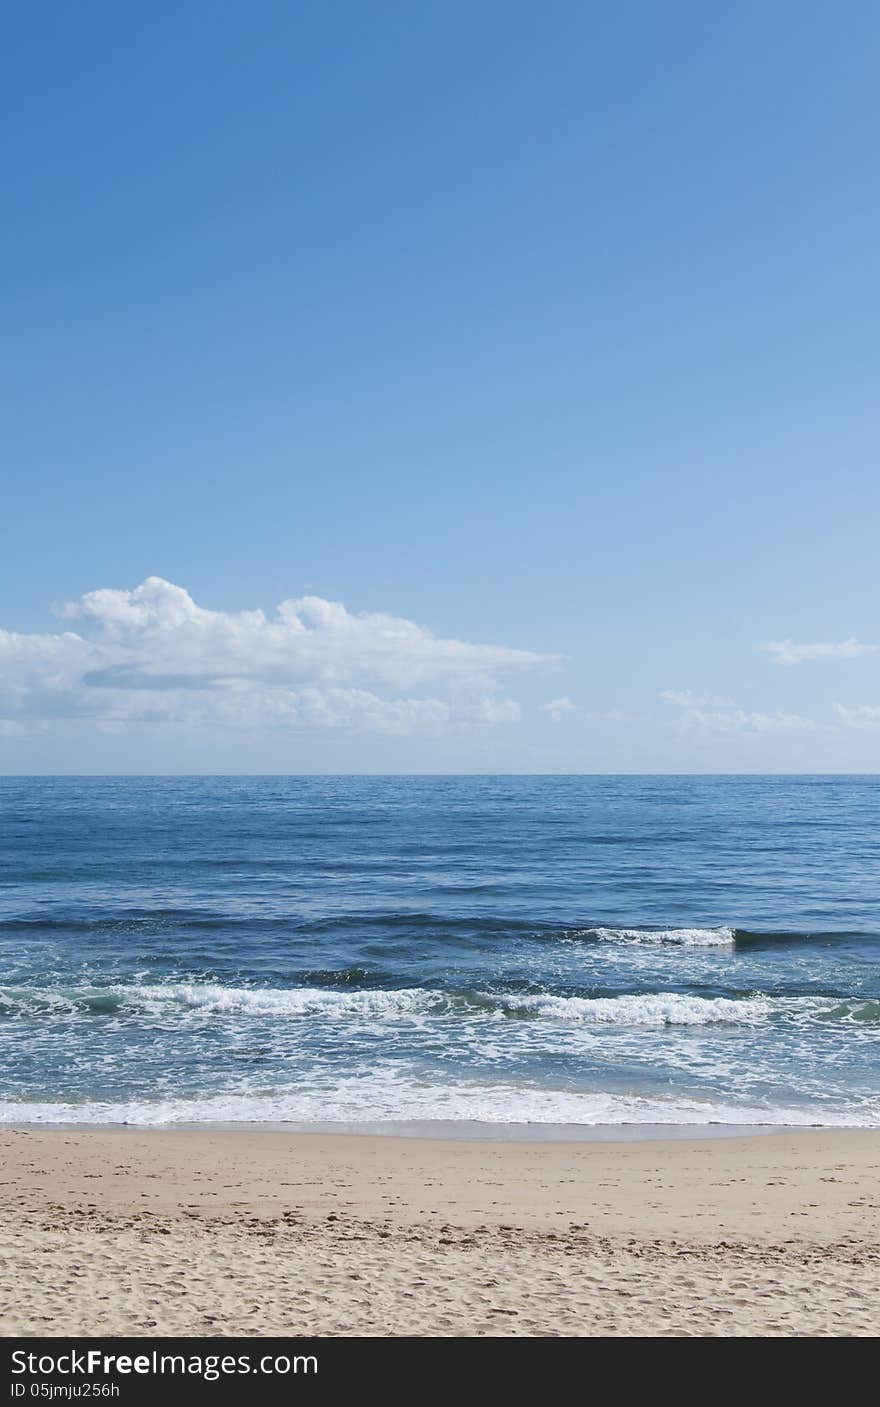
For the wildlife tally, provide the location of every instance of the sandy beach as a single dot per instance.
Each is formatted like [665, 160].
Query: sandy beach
[236, 1233]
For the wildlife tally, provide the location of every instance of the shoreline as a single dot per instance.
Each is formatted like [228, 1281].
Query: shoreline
[253, 1231]
[453, 1130]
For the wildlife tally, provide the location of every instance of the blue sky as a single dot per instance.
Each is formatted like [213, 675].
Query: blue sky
[544, 338]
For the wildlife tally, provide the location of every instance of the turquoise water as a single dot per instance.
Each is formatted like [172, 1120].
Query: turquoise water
[585, 950]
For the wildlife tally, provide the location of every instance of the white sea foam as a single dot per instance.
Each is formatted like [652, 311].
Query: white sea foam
[649, 1009]
[678, 1009]
[167, 1002]
[162, 999]
[283, 1001]
[721, 937]
[386, 1096]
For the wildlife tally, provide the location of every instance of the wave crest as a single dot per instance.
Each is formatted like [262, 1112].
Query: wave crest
[384, 1006]
[648, 1009]
[720, 937]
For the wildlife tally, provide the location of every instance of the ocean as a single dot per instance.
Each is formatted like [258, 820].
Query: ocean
[586, 950]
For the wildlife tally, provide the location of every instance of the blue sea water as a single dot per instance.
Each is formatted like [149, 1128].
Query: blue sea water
[578, 950]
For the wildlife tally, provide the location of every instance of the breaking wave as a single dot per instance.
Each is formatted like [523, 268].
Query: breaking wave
[380, 1006]
[386, 1097]
[721, 937]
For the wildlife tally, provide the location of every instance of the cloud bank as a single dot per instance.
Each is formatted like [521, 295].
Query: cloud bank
[862, 716]
[153, 655]
[698, 712]
[789, 652]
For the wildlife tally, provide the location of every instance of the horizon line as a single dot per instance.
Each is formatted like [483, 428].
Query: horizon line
[308, 776]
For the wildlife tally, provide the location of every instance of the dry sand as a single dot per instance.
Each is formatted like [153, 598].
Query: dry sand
[212, 1233]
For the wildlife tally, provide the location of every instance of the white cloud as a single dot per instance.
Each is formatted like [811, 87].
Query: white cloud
[862, 716]
[789, 652]
[697, 713]
[154, 655]
[558, 708]
[739, 720]
[686, 698]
